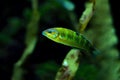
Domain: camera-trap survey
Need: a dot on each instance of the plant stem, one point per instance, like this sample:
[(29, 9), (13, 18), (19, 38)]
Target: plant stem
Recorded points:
[(30, 41)]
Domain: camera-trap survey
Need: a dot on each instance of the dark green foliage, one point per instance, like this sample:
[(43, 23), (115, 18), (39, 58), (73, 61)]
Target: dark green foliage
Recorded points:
[(21, 27), (86, 72), (46, 70)]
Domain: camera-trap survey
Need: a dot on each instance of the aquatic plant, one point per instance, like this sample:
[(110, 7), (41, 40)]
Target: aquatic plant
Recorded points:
[(86, 27), (99, 26)]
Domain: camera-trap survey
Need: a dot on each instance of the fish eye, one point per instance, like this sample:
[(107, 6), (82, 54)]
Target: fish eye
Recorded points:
[(51, 31)]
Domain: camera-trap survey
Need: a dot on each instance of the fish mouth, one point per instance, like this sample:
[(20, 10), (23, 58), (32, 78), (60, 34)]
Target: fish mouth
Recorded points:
[(44, 33)]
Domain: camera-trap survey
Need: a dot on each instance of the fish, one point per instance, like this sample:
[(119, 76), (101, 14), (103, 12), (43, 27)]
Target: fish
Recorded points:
[(71, 38)]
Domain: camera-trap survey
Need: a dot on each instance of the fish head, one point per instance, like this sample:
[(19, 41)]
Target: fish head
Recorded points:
[(51, 33)]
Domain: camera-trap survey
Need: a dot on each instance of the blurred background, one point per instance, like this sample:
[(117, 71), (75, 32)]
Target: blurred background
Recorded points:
[(47, 56)]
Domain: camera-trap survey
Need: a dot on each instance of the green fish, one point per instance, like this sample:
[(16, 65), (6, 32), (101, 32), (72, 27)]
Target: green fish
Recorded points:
[(71, 38)]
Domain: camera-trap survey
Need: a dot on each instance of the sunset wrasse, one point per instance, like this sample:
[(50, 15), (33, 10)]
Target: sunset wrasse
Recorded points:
[(71, 38)]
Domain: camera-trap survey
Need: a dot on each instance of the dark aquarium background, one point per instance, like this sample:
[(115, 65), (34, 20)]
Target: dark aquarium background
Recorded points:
[(21, 25)]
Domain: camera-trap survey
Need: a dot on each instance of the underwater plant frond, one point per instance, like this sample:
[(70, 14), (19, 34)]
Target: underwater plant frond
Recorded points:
[(69, 65), (86, 15), (30, 41), (105, 39)]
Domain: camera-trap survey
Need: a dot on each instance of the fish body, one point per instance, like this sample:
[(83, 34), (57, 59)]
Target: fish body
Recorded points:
[(70, 38)]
